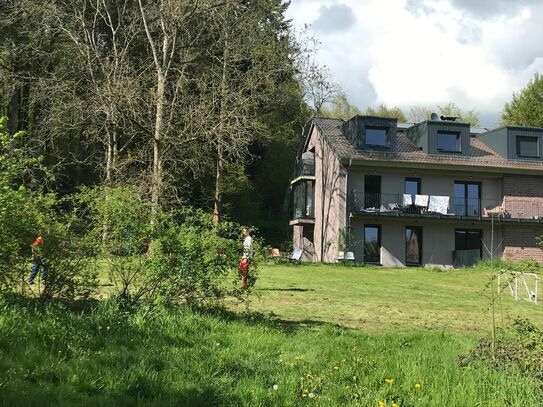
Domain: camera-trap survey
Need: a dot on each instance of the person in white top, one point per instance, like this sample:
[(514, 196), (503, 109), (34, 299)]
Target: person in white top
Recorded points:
[(247, 253)]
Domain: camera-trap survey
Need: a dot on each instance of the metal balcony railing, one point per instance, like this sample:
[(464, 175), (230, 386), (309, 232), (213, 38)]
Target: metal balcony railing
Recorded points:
[(304, 168), (432, 205)]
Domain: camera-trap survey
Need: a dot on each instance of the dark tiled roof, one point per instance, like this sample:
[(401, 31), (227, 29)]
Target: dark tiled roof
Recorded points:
[(406, 151)]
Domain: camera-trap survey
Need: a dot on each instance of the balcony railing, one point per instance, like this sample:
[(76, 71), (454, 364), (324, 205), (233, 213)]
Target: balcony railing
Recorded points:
[(304, 168), (447, 206)]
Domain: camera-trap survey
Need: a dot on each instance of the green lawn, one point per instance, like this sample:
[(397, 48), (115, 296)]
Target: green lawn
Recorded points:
[(386, 300), (414, 328)]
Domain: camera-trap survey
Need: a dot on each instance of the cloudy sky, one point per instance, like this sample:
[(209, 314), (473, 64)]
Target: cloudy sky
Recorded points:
[(475, 53)]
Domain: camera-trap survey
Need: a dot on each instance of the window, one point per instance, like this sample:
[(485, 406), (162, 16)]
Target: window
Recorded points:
[(528, 146), (413, 246), (308, 232), (372, 191), (376, 136), (467, 198), (303, 200), (448, 141), (412, 187), (372, 244), (468, 247)]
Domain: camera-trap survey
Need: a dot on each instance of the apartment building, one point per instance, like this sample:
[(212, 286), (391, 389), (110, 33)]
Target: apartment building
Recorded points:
[(433, 193)]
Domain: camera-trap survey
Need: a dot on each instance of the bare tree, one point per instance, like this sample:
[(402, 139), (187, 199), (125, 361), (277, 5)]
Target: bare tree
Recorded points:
[(316, 81), (246, 64)]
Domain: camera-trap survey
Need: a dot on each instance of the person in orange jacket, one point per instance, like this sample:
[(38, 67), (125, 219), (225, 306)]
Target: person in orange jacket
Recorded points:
[(37, 261), (247, 253)]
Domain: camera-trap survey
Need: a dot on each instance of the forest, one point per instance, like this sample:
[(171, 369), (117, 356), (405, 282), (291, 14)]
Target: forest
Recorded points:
[(193, 103)]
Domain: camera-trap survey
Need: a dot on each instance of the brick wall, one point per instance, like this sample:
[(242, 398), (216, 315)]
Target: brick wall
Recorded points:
[(523, 196), (520, 242), (523, 185)]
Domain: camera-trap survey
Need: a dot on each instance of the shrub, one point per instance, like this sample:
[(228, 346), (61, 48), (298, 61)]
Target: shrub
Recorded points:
[(521, 351), (25, 213), (170, 257)]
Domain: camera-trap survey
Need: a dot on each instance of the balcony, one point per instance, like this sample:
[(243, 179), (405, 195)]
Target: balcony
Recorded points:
[(304, 168), (509, 209)]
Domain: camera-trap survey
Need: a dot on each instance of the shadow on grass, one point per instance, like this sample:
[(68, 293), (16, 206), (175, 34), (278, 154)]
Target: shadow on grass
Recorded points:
[(286, 289), (269, 320)]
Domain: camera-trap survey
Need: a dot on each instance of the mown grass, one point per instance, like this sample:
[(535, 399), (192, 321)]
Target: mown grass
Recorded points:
[(99, 355), (387, 300)]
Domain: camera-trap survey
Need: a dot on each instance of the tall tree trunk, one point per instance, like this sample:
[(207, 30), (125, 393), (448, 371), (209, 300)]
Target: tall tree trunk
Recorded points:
[(217, 213), (109, 158), (13, 110), (156, 176), (111, 155)]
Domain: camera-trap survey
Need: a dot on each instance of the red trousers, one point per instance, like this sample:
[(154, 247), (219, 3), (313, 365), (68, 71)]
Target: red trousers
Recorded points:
[(244, 269)]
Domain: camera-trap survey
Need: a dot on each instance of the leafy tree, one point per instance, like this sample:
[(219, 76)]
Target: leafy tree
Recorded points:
[(384, 111), (451, 109), (526, 107), (341, 107), (25, 213), (419, 113)]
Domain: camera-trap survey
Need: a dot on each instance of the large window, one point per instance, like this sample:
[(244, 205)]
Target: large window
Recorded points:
[(413, 246), (372, 191), (412, 187), (372, 244), (448, 141), (528, 146), (376, 137), (303, 200), (467, 198), (468, 247)]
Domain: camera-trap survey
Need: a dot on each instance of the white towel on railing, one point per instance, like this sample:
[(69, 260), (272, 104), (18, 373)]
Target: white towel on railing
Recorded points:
[(407, 200), (421, 200), (438, 204)]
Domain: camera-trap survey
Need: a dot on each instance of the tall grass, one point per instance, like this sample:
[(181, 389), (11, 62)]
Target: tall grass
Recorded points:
[(105, 355)]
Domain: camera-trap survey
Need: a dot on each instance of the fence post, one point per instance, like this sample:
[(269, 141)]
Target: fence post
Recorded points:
[(536, 284)]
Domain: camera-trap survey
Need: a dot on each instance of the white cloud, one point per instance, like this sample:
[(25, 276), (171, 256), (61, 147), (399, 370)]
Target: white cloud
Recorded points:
[(429, 52)]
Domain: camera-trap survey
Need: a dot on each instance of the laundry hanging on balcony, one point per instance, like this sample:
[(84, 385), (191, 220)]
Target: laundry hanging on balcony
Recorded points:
[(407, 200), (438, 204), (421, 200)]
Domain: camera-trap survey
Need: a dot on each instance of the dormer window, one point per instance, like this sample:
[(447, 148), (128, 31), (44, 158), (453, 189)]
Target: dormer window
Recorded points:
[(376, 137), (527, 147), (372, 133), (449, 142)]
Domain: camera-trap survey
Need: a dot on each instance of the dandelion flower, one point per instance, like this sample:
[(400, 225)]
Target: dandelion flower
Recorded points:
[(394, 405), (417, 386), (275, 387), (389, 381), (381, 404), (353, 349)]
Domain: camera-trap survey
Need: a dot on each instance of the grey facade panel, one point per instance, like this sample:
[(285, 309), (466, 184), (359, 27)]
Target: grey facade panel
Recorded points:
[(461, 128), (355, 131), (419, 135), (514, 132), (424, 135), (497, 140), (503, 141)]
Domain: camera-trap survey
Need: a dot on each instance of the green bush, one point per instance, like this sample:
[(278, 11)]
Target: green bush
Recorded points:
[(520, 351), (169, 257), (26, 213)]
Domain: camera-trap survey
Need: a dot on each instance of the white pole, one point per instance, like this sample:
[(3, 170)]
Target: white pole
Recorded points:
[(536, 284)]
